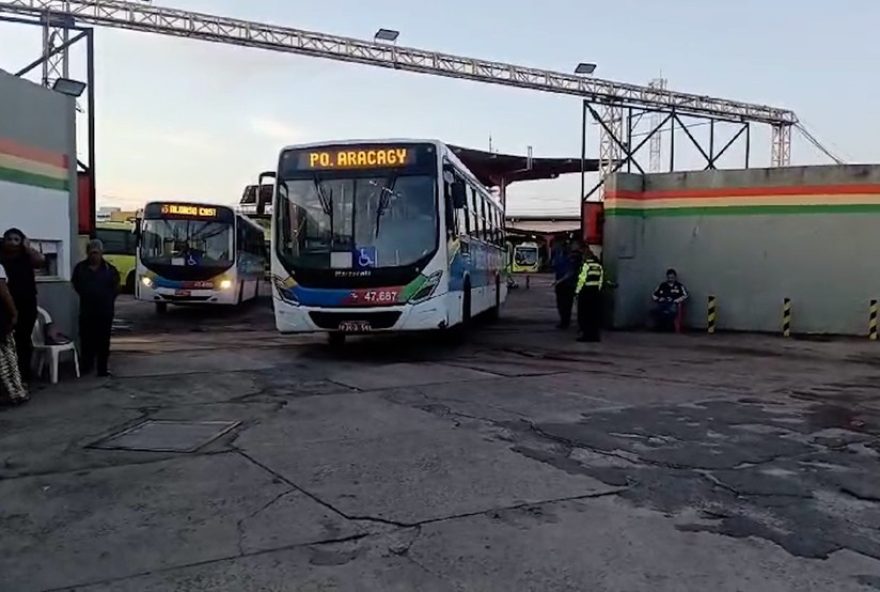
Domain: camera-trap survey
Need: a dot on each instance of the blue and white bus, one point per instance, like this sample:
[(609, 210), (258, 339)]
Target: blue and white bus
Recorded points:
[(376, 236), (192, 253)]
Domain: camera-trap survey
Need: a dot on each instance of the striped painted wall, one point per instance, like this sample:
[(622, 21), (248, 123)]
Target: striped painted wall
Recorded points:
[(740, 201), (26, 165)]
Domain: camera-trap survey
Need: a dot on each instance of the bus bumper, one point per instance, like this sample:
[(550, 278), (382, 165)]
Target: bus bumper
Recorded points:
[(424, 316), (172, 296)]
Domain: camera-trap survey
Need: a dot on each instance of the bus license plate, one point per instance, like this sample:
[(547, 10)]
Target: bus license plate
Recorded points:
[(354, 326), (184, 293)]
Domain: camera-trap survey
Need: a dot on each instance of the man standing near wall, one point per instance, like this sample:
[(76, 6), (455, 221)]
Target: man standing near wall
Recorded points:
[(97, 283), (589, 298)]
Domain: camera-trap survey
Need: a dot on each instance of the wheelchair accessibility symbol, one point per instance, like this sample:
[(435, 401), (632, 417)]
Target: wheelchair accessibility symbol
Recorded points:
[(366, 257)]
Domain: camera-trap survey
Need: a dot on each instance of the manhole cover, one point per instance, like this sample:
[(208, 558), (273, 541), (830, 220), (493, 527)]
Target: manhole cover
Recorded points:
[(156, 435)]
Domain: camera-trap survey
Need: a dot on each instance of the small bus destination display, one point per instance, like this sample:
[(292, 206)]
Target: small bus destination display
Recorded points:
[(357, 157), (187, 210)]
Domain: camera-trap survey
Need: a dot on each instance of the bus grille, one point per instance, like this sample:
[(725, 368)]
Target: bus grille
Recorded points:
[(377, 320)]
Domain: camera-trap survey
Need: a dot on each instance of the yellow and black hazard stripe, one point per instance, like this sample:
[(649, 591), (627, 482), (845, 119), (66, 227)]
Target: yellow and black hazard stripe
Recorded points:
[(786, 317), (712, 315), (872, 321)]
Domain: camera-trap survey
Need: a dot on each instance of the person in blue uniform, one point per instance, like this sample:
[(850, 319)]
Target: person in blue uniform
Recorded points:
[(668, 298), (566, 262)]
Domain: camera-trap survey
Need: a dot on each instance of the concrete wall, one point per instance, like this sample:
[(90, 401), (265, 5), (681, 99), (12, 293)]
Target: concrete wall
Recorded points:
[(751, 238), (38, 182)]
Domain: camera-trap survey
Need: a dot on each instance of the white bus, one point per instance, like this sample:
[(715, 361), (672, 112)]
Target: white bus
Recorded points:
[(197, 254), (388, 235)]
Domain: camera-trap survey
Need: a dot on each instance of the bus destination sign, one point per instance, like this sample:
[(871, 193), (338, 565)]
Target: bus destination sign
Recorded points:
[(348, 157), (189, 210)]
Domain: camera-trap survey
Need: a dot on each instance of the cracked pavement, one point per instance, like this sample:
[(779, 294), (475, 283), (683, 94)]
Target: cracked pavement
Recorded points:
[(519, 460)]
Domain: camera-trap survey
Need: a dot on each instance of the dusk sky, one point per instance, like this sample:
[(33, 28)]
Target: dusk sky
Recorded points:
[(187, 119)]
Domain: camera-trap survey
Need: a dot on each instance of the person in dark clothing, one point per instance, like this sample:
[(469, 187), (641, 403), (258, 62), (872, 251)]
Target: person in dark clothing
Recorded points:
[(589, 286), (566, 264), (668, 298), (96, 282), (20, 260)]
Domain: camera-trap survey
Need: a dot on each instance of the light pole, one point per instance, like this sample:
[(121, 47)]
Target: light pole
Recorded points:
[(583, 69)]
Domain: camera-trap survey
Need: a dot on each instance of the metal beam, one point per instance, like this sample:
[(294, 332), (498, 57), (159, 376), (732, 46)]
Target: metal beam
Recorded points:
[(206, 27)]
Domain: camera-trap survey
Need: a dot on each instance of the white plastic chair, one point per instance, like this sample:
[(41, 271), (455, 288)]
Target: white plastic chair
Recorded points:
[(43, 350)]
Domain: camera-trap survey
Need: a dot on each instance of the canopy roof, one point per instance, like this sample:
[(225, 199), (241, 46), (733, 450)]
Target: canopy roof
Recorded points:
[(492, 169)]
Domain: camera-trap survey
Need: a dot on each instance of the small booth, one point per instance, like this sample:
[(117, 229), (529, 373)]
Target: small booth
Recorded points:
[(38, 186)]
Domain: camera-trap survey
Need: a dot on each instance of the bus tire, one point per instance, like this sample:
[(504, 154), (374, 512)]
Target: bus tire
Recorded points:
[(495, 311), (466, 307), (129, 283), (240, 294), (161, 307), (336, 339)]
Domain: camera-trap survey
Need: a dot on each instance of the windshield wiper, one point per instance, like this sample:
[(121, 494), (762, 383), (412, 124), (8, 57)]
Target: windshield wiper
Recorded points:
[(386, 192), (326, 202)]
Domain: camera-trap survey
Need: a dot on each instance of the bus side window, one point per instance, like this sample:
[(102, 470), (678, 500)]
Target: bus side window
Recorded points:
[(451, 229), (487, 227), (475, 229)]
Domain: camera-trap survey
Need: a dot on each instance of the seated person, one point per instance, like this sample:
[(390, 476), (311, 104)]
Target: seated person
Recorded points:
[(668, 298)]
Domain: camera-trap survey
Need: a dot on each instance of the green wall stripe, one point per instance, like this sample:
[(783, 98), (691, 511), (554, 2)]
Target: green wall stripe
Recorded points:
[(745, 210), (23, 178)]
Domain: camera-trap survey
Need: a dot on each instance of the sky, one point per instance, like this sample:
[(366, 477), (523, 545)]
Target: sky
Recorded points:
[(185, 119)]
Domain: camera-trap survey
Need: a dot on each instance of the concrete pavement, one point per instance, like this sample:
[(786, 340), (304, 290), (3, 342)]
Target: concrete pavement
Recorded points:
[(224, 457)]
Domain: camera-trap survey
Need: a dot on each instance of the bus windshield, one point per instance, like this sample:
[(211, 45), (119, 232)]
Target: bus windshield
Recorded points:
[(187, 243), (391, 217), (526, 255)]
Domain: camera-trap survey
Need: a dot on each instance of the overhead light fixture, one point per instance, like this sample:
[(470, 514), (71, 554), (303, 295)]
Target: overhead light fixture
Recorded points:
[(69, 87), (585, 68), (389, 35)]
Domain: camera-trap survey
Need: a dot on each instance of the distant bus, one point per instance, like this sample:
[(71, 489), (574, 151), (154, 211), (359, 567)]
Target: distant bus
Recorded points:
[(198, 253), (526, 258), (378, 236), (120, 249), (247, 205)]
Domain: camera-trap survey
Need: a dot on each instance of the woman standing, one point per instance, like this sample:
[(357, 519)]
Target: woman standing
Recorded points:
[(20, 260), (12, 390)]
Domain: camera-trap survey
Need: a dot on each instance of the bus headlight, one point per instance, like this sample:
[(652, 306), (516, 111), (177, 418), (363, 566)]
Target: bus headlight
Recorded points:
[(147, 282), (225, 284), (427, 288)]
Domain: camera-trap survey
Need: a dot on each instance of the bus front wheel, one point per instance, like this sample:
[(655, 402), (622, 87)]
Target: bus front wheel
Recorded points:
[(161, 307)]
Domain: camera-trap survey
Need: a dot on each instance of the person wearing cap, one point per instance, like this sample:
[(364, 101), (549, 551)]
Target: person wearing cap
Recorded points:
[(589, 286), (668, 299), (97, 283)]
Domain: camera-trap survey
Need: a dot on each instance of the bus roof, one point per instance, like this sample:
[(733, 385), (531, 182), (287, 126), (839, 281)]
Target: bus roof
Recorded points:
[(189, 203), (445, 149), (363, 141)]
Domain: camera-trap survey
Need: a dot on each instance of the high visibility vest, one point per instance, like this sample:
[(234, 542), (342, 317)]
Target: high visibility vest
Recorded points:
[(592, 276)]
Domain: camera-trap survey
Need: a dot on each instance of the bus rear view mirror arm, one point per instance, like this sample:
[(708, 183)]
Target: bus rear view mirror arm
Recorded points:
[(261, 200)]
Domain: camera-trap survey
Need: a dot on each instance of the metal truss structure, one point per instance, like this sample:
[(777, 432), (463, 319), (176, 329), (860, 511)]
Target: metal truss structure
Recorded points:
[(620, 102), (655, 144), (620, 145), (180, 23)]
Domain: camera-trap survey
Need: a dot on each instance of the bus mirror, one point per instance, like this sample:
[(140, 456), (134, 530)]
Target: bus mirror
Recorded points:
[(262, 199)]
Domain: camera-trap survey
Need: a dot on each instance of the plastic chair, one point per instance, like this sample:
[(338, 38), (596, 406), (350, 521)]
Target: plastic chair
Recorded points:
[(678, 323), (51, 351)]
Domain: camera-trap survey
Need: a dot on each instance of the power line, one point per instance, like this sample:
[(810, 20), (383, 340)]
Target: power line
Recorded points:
[(815, 142)]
